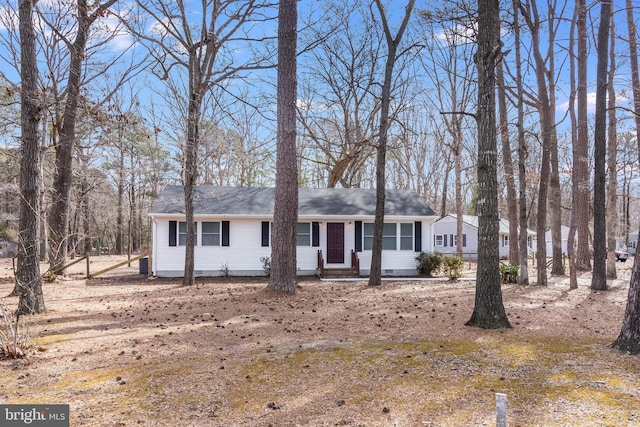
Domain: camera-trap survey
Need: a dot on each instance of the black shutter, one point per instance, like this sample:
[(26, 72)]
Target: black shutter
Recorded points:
[(173, 233), (464, 240), (315, 233), (445, 240), (265, 233), (418, 236), (358, 242), (451, 240), (225, 233)]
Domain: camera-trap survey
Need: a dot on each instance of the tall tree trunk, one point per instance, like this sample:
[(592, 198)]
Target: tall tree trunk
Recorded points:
[(629, 338), (61, 197), (512, 205), (635, 72), (571, 238), (488, 311), (581, 152), (86, 218), (44, 229), (28, 279), (283, 250), (191, 164), (612, 166), (445, 189), (120, 208), (133, 203), (599, 276), (458, 171), (530, 14), (121, 182), (522, 157), (555, 195), (375, 274)]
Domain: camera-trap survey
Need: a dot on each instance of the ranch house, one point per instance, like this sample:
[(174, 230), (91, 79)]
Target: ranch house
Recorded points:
[(334, 231)]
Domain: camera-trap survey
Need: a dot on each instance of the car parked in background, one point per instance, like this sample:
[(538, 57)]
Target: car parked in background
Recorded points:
[(621, 255)]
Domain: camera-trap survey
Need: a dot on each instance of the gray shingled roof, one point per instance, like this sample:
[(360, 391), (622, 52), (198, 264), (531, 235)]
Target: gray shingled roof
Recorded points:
[(259, 201), (472, 220)]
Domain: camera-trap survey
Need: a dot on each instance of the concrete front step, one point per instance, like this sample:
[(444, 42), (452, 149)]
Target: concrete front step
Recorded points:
[(339, 273)]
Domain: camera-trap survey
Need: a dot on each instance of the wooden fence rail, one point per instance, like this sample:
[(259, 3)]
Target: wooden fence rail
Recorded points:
[(113, 267)]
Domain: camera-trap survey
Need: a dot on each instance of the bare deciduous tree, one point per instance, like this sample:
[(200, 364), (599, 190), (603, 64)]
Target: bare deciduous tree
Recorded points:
[(599, 276), (393, 43), (340, 85), (581, 149), (512, 205), (612, 164), (199, 52), (529, 11), (59, 214), (449, 64)]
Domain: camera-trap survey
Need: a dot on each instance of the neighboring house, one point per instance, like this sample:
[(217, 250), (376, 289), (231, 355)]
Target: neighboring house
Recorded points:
[(632, 243), (565, 236), (233, 230), (445, 235)]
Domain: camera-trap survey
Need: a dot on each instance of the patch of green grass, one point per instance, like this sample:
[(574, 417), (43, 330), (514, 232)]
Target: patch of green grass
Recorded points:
[(450, 379)]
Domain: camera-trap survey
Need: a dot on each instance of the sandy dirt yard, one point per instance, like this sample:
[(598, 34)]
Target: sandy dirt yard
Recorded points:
[(124, 350)]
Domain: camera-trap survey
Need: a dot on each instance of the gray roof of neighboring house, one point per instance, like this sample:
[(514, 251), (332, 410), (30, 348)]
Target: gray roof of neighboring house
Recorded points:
[(472, 220), (320, 201)]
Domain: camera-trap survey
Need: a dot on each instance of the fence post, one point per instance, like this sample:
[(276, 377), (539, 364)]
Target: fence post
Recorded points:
[(501, 410), (88, 272)]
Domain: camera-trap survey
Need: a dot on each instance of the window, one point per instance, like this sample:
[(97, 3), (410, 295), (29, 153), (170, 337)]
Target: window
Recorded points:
[(211, 234), (182, 233), (505, 240), (464, 240), (368, 236), (439, 240), (406, 237), (304, 234), (389, 236)]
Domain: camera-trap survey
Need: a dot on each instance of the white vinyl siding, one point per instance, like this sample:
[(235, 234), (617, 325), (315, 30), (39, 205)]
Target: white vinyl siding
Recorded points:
[(243, 256)]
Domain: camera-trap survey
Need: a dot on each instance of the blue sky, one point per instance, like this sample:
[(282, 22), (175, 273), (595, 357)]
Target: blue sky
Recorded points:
[(122, 41)]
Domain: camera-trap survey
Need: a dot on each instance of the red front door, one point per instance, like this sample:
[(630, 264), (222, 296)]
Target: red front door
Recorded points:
[(335, 243)]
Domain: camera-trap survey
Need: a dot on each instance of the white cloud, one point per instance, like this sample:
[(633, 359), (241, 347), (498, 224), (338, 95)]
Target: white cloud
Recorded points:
[(8, 19), (457, 34), (562, 108)]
